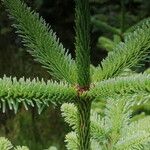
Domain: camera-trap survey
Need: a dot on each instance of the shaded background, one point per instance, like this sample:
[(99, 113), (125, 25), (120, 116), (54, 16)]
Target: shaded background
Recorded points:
[(41, 131)]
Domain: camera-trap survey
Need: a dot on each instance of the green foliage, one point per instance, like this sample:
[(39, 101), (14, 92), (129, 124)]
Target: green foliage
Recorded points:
[(82, 42), (126, 54), (113, 130), (41, 41), (5, 144), (120, 86), (21, 148), (138, 25), (106, 43), (52, 148), (136, 133), (70, 113), (105, 26), (72, 142), (122, 20), (33, 92)]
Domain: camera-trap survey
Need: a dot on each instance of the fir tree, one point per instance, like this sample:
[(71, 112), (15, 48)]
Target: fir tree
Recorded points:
[(80, 84)]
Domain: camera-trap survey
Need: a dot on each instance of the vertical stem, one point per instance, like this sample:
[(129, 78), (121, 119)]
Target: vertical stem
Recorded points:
[(82, 45), (84, 108)]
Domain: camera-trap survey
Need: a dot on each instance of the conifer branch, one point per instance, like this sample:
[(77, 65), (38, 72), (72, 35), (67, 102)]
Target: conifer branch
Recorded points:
[(83, 42), (82, 46), (117, 114), (103, 25), (127, 54), (33, 92), (135, 135), (114, 130), (123, 86), (41, 41), (138, 25), (5, 144), (21, 148), (70, 114), (72, 141), (106, 43)]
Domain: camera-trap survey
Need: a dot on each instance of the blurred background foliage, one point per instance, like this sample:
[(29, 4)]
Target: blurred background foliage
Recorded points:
[(41, 131)]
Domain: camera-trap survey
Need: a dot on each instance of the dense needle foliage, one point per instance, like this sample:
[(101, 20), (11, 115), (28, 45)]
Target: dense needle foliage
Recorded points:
[(78, 84)]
